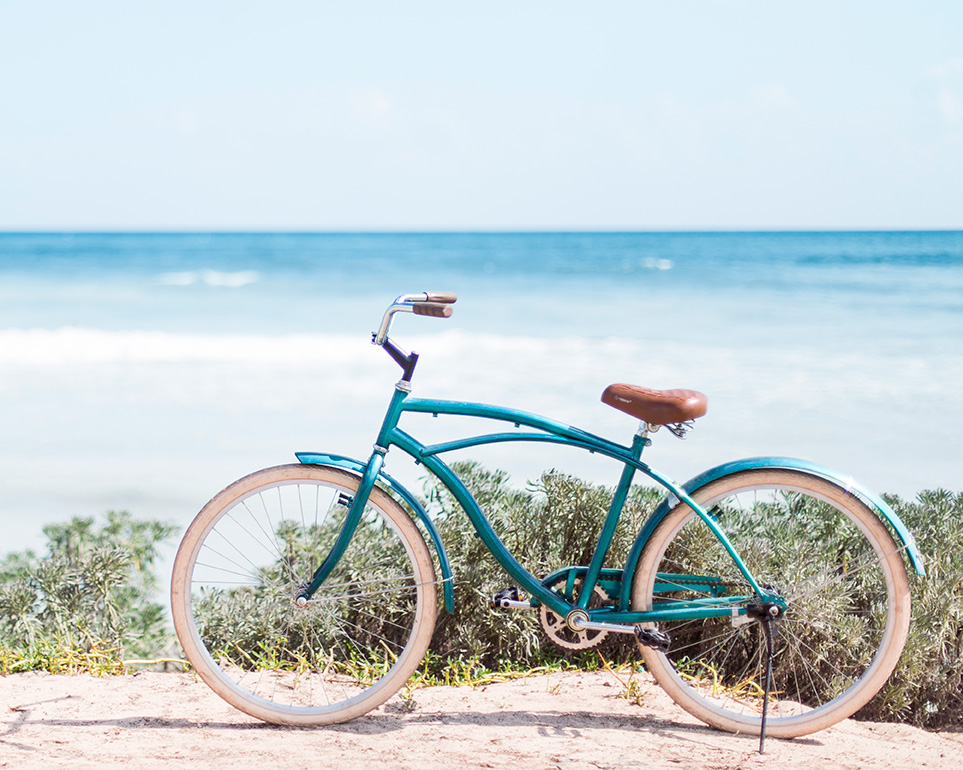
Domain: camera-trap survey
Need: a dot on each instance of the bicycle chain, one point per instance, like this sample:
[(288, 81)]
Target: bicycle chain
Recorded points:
[(561, 636), (697, 582)]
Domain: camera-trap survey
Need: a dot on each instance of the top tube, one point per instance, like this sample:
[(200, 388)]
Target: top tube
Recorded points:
[(553, 432), (518, 418)]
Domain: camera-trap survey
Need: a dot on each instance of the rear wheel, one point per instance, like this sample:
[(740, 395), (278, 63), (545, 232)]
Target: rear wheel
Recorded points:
[(839, 572), (236, 581)]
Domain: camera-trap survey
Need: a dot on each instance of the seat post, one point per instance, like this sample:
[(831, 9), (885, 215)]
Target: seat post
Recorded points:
[(641, 439)]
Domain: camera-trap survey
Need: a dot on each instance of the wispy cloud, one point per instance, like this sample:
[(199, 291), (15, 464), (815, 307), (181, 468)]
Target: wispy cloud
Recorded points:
[(772, 95), (373, 104), (949, 93), (946, 69), (951, 107)]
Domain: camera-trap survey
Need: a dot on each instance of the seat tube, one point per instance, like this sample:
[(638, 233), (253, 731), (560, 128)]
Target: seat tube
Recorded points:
[(611, 522)]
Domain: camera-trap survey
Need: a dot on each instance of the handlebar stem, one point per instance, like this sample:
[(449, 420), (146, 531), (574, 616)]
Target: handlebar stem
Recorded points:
[(407, 361), (423, 303)]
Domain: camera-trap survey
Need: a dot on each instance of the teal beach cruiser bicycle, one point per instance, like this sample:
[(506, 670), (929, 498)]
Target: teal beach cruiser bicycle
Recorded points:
[(766, 594)]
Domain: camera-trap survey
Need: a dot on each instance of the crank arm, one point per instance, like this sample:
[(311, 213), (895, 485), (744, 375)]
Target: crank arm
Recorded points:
[(579, 624), (648, 637)]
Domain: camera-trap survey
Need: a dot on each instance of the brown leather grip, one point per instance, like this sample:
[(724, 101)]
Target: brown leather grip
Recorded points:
[(442, 297), (434, 309)]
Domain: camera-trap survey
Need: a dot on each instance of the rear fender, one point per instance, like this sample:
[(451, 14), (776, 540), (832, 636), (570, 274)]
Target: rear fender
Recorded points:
[(873, 501)]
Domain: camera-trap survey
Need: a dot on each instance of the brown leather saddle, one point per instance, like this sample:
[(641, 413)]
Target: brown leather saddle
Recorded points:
[(656, 407)]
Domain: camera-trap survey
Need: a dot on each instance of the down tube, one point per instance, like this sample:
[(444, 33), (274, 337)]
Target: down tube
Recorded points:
[(522, 576)]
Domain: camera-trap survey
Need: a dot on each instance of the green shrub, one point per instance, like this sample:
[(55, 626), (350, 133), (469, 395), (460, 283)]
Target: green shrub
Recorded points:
[(927, 687), (91, 596), (89, 601), (553, 523)]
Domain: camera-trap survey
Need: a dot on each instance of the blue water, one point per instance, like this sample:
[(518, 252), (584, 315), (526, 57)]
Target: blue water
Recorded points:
[(145, 371), (158, 281)]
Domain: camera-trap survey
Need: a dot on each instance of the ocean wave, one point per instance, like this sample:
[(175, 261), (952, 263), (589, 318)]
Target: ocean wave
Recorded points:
[(216, 278), (446, 356), (462, 364), (71, 346), (651, 263), (802, 396)]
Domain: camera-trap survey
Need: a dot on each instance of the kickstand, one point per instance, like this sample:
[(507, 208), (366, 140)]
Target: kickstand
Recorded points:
[(767, 624)]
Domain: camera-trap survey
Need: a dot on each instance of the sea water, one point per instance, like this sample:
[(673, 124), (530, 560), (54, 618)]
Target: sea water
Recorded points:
[(145, 372)]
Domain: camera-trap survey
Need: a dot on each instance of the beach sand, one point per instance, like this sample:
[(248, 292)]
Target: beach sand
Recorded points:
[(567, 721)]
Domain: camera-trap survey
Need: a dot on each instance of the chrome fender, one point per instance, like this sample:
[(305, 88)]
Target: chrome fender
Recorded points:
[(357, 466), (872, 500)]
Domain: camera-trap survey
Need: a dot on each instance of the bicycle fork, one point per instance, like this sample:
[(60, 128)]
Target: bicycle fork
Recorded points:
[(371, 472), (351, 521)]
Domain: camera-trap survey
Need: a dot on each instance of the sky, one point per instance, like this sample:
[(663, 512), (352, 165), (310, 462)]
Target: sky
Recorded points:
[(559, 115)]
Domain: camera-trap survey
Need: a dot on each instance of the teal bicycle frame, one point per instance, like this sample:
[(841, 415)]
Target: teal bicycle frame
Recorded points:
[(617, 583)]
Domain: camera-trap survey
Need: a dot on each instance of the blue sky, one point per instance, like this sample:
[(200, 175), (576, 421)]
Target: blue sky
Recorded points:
[(495, 115)]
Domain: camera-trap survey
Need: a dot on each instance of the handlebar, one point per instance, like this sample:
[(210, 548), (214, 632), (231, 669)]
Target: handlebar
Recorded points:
[(434, 309), (441, 297), (436, 304)]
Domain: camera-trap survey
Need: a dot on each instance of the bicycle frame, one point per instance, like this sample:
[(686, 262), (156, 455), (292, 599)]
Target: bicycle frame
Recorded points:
[(800, 526), (616, 583), (546, 431)]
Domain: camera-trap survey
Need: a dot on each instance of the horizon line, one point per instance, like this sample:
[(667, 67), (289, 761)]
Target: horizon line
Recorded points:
[(468, 231)]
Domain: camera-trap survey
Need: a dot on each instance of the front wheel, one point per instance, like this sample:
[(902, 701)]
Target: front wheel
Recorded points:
[(804, 539), (236, 582)]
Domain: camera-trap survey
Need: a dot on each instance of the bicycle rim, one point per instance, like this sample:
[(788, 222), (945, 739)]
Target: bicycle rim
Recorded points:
[(809, 541), (237, 576)]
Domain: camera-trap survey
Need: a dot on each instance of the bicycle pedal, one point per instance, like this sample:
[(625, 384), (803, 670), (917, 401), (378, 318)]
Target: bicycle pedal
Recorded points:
[(503, 599), (652, 637)]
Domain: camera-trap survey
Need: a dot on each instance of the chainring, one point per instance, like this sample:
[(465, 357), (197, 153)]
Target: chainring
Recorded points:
[(558, 630)]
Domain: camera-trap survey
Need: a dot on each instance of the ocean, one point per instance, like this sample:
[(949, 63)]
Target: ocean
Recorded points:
[(144, 372)]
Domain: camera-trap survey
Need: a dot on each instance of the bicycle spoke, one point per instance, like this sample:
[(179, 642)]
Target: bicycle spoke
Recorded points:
[(829, 564), (357, 629)]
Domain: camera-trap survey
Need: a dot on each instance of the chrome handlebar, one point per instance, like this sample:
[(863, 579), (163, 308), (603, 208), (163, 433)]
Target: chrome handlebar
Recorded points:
[(431, 303)]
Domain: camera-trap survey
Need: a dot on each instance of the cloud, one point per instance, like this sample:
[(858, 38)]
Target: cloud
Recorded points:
[(947, 69), (951, 107), (949, 101), (772, 96), (185, 124), (373, 104)]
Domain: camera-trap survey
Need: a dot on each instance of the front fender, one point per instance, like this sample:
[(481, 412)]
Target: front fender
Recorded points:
[(788, 463), (357, 466)]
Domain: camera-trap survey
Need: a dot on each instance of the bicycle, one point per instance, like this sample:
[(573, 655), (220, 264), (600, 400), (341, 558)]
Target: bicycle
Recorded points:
[(767, 594)]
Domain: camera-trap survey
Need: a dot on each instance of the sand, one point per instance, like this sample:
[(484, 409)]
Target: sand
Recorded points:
[(567, 721)]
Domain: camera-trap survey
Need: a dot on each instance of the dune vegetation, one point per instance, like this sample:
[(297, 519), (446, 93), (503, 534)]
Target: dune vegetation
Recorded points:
[(92, 602)]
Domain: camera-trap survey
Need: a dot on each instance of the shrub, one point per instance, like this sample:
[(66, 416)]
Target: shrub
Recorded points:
[(927, 687), (91, 594), (553, 523), (90, 597)]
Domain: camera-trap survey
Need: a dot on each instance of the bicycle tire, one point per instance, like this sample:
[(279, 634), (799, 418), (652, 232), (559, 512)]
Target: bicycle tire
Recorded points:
[(235, 581), (836, 564)]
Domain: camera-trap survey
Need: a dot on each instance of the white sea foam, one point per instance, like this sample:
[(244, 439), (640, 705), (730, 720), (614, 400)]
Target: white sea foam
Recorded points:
[(555, 368), (230, 280), (75, 346), (650, 263), (164, 419)]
